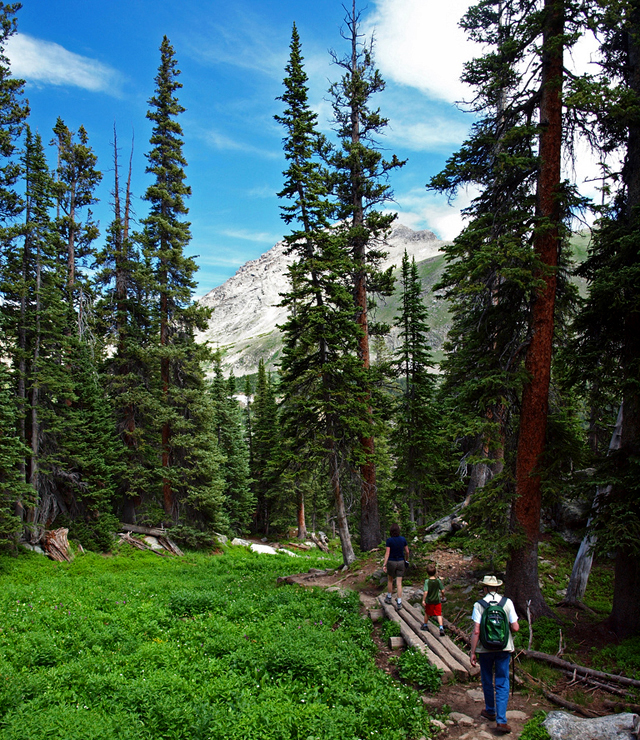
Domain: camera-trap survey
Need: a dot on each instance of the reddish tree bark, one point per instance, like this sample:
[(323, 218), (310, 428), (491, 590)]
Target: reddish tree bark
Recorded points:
[(522, 569)]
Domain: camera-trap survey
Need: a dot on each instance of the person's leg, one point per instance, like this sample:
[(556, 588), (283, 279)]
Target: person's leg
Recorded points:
[(486, 675), (399, 587), (502, 686), (389, 585)]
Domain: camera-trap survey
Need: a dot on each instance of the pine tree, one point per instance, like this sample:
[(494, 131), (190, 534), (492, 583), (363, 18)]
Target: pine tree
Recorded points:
[(239, 499), (265, 449), (320, 335), (608, 351), (505, 280), (76, 180), (15, 494), (190, 474), (415, 434), (360, 181), (124, 319)]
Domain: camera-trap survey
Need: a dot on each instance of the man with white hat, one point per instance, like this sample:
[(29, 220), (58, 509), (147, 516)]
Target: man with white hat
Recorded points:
[(494, 661)]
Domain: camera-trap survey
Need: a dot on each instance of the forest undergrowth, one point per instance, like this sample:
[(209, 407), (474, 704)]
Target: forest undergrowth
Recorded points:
[(142, 646)]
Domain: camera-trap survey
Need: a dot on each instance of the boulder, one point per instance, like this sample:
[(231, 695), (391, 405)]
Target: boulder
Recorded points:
[(240, 542), (263, 549), (564, 726), (222, 538)]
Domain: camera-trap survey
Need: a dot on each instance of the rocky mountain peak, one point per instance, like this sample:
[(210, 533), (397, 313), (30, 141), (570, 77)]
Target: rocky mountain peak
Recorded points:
[(246, 310)]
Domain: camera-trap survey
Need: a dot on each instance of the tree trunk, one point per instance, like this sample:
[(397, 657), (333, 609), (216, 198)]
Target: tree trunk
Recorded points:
[(348, 555), (522, 569), (582, 565), (302, 526)]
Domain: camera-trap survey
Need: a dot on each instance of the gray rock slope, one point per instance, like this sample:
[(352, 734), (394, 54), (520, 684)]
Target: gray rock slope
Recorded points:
[(246, 313)]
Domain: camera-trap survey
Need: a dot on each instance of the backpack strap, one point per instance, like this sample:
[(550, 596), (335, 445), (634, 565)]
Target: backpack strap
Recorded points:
[(483, 603), (502, 602)]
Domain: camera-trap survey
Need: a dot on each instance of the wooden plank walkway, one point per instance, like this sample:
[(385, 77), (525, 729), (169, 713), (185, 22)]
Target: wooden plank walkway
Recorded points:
[(439, 651)]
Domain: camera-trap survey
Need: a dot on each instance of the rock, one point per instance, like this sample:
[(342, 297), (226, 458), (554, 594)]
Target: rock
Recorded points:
[(516, 714), (396, 642), (475, 694), (240, 542), (264, 539), (461, 719), (468, 589), (262, 549), (310, 544), (288, 552), (375, 615), (561, 592), (222, 539), (152, 542), (564, 726), (437, 723), (431, 701)]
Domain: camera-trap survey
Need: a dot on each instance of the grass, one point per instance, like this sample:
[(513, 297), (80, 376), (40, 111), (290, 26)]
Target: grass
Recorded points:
[(200, 647)]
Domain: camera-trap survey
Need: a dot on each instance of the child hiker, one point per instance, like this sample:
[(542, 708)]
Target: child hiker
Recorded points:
[(431, 598)]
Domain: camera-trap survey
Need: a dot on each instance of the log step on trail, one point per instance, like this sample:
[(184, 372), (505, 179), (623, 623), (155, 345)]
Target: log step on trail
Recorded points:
[(439, 651)]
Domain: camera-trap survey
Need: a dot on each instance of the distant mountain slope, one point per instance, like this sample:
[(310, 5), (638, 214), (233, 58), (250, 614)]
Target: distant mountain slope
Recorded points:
[(246, 311)]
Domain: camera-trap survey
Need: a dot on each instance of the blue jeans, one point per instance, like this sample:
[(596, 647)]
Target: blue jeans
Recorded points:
[(497, 663)]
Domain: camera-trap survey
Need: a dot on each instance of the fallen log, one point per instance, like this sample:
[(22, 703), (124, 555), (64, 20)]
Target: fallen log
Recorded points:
[(570, 705), (456, 631), (137, 529), (56, 545), (169, 545), (318, 542), (125, 537), (412, 639), (565, 665), (432, 643), (617, 706), (459, 655)]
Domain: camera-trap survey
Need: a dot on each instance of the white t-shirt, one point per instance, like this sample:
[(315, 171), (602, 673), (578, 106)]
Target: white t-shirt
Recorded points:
[(510, 611)]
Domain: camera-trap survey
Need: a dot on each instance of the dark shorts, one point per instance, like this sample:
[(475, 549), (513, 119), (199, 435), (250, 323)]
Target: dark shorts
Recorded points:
[(395, 568), (433, 610)]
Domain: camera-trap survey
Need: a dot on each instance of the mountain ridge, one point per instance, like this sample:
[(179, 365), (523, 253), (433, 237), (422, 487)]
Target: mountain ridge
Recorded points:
[(246, 310)]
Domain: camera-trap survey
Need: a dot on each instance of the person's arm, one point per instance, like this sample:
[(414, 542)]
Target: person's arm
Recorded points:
[(406, 552), (386, 557), (475, 636), (514, 626)]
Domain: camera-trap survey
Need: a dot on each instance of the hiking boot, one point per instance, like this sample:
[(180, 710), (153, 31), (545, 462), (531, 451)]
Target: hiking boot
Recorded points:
[(503, 729), (424, 627), (388, 599), (441, 631), (488, 715), (398, 605)]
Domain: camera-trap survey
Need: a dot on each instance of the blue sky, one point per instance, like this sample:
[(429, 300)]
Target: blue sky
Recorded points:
[(93, 63)]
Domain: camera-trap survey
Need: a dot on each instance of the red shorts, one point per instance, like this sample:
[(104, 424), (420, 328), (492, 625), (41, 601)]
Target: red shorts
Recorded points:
[(433, 610)]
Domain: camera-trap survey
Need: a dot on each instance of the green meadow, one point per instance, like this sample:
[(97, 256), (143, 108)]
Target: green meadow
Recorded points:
[(203, 647)]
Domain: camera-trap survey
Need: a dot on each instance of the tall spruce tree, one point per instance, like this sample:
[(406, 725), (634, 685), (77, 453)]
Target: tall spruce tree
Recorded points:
[(76, 181), (320, 335), (415, 433), (504, 286), (189, 473), (608, 351), (360, 176), (239, 499)]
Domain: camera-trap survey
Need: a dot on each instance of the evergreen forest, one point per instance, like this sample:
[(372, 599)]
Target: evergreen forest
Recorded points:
[(111, 412)]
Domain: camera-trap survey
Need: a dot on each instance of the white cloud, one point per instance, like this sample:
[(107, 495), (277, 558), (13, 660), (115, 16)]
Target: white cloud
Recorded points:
[(419, 43), (252, 236), (420, 209), (48, 63), (226, 143), (434, 133)]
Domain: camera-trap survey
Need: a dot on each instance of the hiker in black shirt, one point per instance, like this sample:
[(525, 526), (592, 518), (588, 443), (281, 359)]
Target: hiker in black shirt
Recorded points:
[(394, 559)]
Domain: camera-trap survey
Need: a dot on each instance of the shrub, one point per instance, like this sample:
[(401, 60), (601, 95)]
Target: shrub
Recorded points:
[(534, 729), (414, 666)]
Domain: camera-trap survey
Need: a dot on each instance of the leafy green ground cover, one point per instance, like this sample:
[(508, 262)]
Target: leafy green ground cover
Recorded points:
[(137, 646)]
